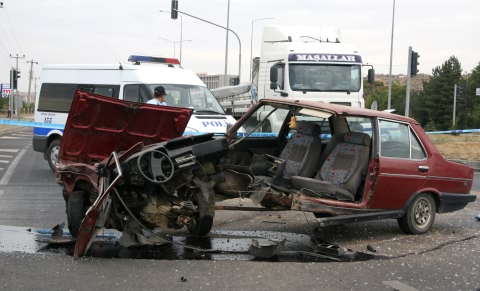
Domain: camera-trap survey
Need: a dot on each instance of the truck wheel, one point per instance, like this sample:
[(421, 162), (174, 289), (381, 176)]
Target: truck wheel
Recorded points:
[(420, 215), (52, 153), (200, 225), (76, 209)]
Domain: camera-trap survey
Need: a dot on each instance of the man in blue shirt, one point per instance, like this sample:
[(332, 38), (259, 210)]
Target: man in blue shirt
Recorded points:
[(159, 96)]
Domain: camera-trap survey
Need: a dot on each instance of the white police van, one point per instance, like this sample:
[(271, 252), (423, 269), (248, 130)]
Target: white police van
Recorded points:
[(132, 82)]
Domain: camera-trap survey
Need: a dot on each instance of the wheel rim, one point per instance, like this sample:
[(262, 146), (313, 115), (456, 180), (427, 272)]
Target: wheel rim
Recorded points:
[(54, 154), (422, 212)]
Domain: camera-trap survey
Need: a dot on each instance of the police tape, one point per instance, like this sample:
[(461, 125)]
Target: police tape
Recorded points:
[(240, 134)]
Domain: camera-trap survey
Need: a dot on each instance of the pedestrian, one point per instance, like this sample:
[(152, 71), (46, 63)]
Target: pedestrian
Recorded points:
[(9, 114), (158, 96)]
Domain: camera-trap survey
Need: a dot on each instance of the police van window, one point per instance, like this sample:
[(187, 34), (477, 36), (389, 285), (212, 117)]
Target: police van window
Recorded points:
[(56, 97), (131, 93), (105, 90)]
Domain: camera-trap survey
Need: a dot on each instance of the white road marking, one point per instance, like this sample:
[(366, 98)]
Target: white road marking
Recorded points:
[(1, 169), (9, 150), (1, 193), (5, 156), (5, 162), (8, 174), (12, 137), (397, 285)]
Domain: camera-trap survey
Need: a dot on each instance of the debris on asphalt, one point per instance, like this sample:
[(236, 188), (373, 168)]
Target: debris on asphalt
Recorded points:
[(278, 222), (183, 279), (371, 248), (478, 217)]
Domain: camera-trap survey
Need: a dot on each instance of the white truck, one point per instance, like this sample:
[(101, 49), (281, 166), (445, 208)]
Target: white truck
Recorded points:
[(302, 63)]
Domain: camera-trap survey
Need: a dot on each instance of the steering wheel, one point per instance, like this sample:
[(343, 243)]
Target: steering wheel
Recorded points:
[(161, 167)]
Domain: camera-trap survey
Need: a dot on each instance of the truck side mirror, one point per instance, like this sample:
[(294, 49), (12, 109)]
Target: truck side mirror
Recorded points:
[(228, 111), (371, 76), (273, 74), (273, 86)]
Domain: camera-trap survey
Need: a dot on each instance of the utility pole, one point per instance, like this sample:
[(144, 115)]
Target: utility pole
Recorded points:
[(30, 77), (15, 90), (35, 88)]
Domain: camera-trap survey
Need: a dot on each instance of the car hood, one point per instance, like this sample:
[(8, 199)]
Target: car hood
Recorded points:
[(98, 125)]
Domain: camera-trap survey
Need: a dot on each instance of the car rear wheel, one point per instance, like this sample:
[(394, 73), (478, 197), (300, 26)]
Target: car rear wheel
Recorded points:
[(420, 215), (76, 209), (52, 153)]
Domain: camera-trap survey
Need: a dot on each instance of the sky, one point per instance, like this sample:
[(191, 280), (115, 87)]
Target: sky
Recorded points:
[(109, 31)]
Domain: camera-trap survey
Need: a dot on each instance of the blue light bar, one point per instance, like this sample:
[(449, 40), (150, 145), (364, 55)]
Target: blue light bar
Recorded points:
[(149, 59)]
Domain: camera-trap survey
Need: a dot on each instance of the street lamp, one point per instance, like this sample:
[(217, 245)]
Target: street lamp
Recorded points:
[(181, 32), (175, 42), (251, 44), (391, 53)]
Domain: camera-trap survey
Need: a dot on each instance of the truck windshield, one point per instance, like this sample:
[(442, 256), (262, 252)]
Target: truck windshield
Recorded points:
[(190, 96), (323, 77)]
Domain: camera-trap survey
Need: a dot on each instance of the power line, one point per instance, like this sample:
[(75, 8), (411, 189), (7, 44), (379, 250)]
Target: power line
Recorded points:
[(11, 29)]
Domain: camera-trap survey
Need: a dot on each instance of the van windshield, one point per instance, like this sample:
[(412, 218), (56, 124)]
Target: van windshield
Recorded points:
[(190, 96)]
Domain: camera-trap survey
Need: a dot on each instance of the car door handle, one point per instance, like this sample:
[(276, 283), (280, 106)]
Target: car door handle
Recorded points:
[(423, 169)]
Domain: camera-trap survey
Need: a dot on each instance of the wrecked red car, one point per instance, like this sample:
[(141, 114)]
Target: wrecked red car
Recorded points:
[(125, 166)]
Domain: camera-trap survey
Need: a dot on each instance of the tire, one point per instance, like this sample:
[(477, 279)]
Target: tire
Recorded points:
[(420, 215), (76, 209), (52, 153), (200, 226)]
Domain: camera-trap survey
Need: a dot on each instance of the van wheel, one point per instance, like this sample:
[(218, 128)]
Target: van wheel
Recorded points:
[(420, 215), (76, 209), (52, 153)]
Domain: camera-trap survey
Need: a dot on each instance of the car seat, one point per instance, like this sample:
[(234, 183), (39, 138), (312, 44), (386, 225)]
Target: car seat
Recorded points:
[(343, 167)]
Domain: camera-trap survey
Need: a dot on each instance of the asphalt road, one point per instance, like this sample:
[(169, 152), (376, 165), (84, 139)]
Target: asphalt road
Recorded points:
[(446, 258)]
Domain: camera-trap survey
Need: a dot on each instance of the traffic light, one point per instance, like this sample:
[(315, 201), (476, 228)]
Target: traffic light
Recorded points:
[(16, 75), (173, 11), (459, 91), (415, 63)]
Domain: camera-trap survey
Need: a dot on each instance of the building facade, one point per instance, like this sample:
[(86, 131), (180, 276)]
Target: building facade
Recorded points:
[(215, 81)]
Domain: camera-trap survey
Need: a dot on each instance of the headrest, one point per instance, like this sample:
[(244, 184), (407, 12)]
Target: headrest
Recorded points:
[(308, 128), (357, 138)]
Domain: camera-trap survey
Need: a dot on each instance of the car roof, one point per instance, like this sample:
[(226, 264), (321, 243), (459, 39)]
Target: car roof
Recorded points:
[(338, 109)]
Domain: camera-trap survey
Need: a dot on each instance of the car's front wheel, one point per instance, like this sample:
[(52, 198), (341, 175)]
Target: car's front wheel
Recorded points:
[(76, 209), (420, 215), (52, 153), (200, 225)]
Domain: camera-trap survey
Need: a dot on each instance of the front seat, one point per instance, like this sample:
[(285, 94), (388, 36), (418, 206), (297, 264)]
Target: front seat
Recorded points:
[(342, 171), (300, 154)]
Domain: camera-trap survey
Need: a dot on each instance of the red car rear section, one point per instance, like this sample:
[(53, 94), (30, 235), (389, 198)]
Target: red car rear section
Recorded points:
[(98, 125)]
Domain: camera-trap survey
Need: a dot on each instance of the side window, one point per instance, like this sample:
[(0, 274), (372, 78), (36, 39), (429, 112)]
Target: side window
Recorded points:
[(399, 141), (270, 128), (131, 93), (105, 90), (56, 97), (418, 153)]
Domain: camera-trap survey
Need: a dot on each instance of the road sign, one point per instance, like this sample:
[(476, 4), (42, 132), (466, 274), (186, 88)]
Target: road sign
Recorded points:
[(5, 93), (5, 90), (477, 92)]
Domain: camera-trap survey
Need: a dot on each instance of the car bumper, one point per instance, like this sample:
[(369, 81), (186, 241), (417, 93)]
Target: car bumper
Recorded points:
[(450, 202)]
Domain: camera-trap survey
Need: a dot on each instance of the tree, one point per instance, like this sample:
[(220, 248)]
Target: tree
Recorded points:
[(380, 94), (436, 103)]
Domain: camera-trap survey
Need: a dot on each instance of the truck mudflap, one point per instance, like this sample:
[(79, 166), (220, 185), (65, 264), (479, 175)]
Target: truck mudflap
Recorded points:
[(450, 202)]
